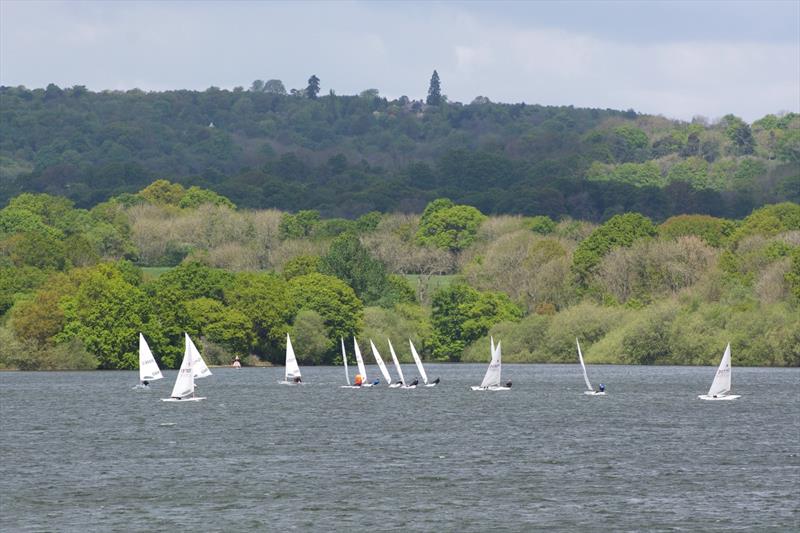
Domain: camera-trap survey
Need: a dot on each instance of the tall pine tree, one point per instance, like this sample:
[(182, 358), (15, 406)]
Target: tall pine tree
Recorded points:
[(313, 87), (434, 91)]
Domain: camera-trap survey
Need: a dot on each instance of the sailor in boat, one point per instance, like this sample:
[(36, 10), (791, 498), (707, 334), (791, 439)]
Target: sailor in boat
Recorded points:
[(297, 379), (145, 383), (602, 388), (508, 383), (399, 382), (376, 382), (236, 362), (415, 382), (359, 380), (435, 381)]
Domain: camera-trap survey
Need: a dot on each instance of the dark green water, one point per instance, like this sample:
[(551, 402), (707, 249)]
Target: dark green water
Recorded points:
[(85, 452)]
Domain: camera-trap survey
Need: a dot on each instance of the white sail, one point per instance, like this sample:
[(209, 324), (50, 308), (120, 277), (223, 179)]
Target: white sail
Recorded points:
[(184, 383), (492, 377), (722, 379), (418, 361), (583, 367), (148, 368), (198, 365), (396, 363), (382, 366), (360, 362), (344, 360), (491, 339), (292, 369)]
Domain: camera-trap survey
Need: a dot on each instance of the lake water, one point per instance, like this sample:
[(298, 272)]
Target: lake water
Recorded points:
[(82, 451)]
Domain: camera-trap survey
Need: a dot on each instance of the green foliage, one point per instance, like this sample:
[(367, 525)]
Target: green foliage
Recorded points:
[(452, 228), (629, 143), (313, 87), (263, 299), (311, 345), (21, 355), (712, 230), (302, 265), (195, 197), (793, 276), (405, 321), (523, 159), (350, 261), (693, 170), (106, 313), (460, 315), (522, 341), (220, 324), (620, 230), (770, 220), (740, 135), (16, 281), (299, 225), (636, 174), (542, 225), (434, 90), (335, 301), (162, 192)]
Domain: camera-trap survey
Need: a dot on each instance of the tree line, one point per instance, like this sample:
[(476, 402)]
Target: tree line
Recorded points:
[(77, 285), (347, 155)]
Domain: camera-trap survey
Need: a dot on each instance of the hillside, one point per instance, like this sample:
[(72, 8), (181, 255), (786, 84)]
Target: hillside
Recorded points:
[(347, 155), (77, 285)]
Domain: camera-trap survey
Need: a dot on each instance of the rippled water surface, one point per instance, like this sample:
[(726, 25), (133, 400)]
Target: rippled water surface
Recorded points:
[(85, 452)]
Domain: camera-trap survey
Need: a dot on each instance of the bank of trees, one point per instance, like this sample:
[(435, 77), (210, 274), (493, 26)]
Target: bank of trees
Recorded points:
[(77, 285), (347, 155)]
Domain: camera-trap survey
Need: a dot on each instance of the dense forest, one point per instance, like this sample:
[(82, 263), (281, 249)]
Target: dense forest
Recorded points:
[(344, 156), (77, 284)]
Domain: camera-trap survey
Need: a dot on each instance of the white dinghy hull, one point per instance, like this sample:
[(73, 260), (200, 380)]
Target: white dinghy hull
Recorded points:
[(194, 399), (720, 398), (594, 393), (492, 388)]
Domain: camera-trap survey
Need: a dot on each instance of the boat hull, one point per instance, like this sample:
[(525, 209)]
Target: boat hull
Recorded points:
[(594, 393), (719, 398), (495, 388), (195, 399)]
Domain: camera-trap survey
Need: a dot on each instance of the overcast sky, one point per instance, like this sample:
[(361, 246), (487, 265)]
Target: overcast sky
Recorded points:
[(678, 59)]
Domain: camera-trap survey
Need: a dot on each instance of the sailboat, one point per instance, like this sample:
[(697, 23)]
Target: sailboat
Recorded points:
[(183, 391), (402, 381), (491, 381), (381, 365), (148, 368), (421, 369), (346, 372), (721, 385), (199, 367), (589, 389), (292, 375), (361, 377)]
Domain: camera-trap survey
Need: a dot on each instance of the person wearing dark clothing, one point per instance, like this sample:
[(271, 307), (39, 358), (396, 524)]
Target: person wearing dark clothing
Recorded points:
[(435, 381), (415, 382), (508, 384), (298, 380)]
